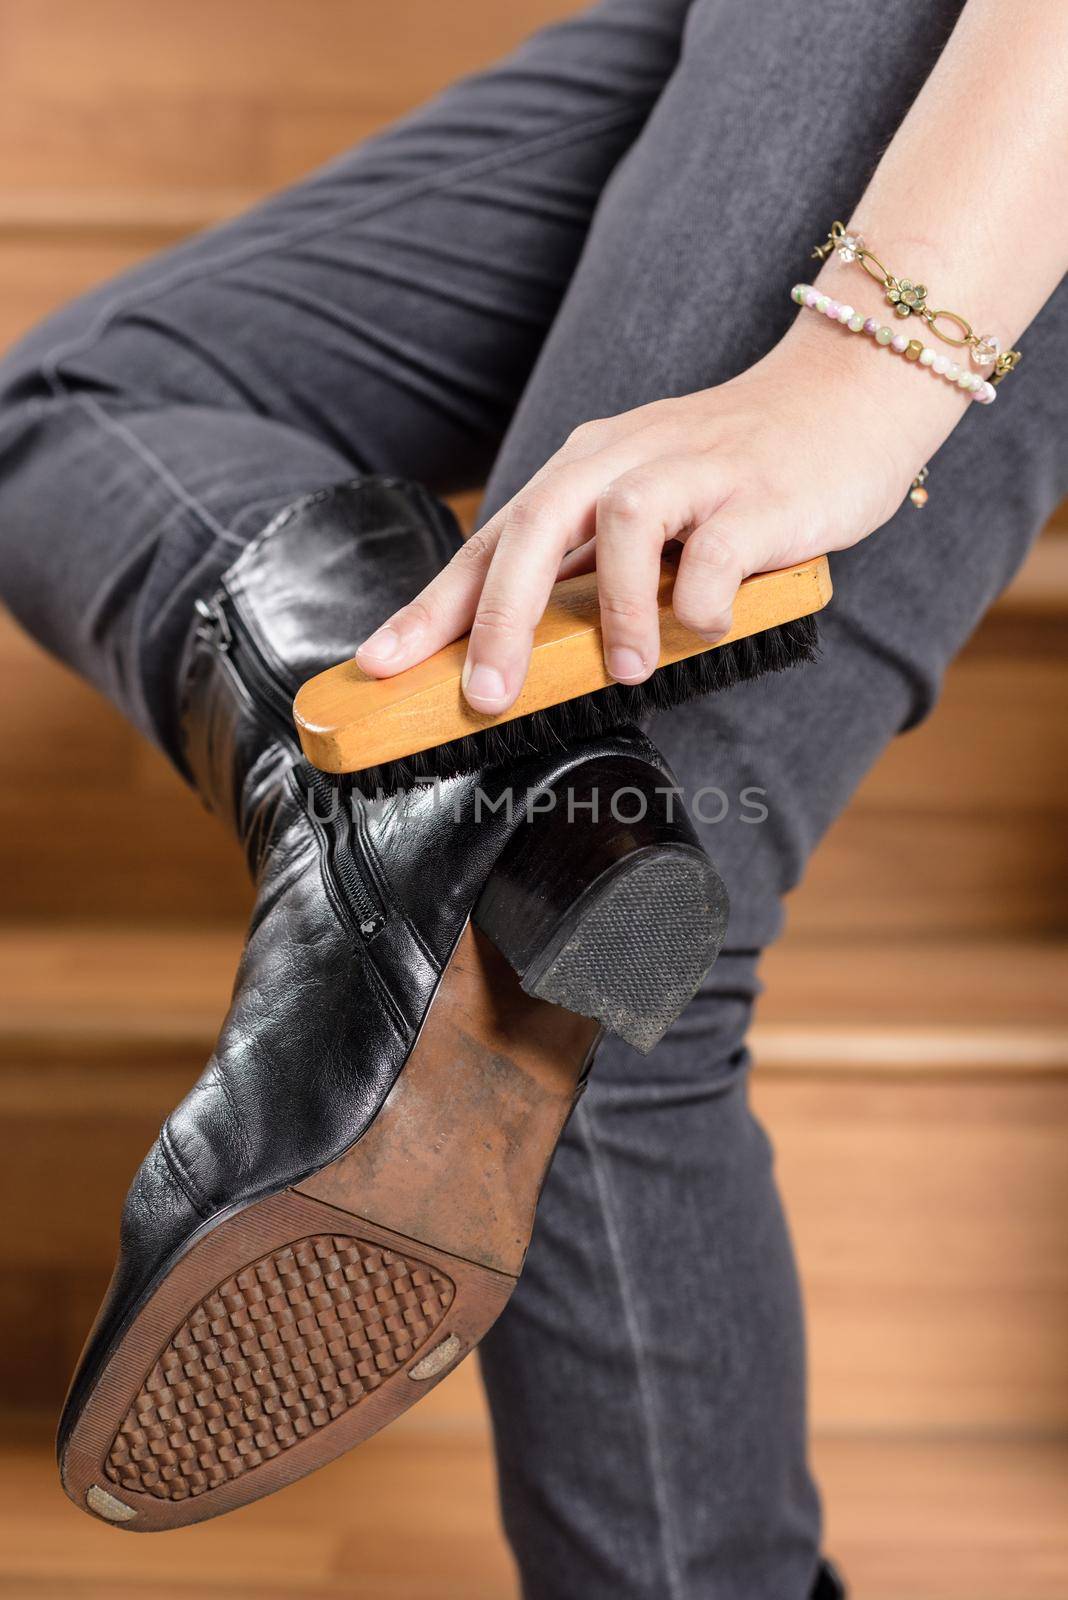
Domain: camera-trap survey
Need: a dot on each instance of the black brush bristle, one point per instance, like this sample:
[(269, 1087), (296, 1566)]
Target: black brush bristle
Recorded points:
[(788, 645)]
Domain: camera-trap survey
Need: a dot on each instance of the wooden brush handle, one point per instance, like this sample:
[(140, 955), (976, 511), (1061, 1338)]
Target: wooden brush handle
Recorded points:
[(348, 721)]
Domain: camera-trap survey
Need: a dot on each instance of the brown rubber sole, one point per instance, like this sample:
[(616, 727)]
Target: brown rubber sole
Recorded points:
[(298, 1326)]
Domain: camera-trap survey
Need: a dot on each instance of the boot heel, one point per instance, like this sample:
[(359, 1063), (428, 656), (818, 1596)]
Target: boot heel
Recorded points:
[(611, 918)]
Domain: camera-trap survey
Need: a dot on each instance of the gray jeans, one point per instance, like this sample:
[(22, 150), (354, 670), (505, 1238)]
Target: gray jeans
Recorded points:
[(614, 214)]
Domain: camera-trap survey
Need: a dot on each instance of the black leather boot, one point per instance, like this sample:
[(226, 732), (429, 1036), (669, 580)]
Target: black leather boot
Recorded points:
[(340, 1207)]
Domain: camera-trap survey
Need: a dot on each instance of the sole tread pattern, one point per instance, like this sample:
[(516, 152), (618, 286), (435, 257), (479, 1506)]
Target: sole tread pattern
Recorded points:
[(277, 1351)]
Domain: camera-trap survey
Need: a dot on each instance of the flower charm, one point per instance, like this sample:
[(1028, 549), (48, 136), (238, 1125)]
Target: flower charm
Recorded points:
[(906, 296), (850, 244)]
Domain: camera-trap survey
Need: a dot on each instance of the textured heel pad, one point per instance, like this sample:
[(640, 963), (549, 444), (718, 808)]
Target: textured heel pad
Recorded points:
[(640, 952)]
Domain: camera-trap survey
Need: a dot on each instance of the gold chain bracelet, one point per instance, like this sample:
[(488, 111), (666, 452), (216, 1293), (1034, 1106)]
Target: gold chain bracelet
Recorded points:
[(910, 299)]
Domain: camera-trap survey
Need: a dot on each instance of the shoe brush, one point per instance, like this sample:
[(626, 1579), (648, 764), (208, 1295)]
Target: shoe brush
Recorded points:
[(394, 732)]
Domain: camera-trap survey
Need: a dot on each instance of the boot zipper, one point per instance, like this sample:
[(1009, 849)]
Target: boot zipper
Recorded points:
[(362, 908), (223, 627), (225, 630)]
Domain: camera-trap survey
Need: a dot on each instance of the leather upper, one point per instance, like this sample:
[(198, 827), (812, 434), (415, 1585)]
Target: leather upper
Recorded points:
[(359, 904)]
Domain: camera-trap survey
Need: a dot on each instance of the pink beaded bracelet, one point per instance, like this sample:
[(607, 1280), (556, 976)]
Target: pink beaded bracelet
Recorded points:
[(972, 383)]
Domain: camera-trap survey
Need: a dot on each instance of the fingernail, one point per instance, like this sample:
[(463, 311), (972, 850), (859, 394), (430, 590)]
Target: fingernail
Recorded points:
[(381, 646), (624, 663), (484, 686)]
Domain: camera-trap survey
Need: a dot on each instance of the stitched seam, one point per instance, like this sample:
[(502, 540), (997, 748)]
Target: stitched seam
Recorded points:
[(249, 251), (148, 458), (583, 1120)]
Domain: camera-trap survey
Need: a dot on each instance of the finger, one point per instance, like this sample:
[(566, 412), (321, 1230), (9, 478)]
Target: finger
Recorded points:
[(556, 513), (636, 515), (446, 608), (543, 523), (576, 562), (715, 559), (440, 613)]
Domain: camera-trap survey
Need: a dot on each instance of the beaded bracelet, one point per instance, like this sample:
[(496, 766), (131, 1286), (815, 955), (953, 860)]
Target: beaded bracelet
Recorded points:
[(980, 388), (910, 299)]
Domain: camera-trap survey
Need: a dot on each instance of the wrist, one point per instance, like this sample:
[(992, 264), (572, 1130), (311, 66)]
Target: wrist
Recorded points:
[(864, 386)]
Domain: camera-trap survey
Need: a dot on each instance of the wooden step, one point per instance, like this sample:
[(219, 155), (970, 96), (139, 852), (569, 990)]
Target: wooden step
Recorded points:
[(109, 828), (237, 97), (920, 875), (928, 1214), (917, 1095), (908, 1519), (935, 1519)]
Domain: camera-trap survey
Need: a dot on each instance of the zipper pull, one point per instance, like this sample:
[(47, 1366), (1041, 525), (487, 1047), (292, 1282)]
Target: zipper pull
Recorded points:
[(215, 628)]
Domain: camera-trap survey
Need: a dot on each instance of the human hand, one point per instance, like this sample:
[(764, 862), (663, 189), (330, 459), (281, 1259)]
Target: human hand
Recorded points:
[(807, 452)]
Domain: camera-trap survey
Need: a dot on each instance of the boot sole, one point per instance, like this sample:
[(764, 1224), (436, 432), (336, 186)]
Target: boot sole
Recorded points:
[(295, 1328)]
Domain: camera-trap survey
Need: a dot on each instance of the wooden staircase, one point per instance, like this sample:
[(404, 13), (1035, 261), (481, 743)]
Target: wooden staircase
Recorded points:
[(912, 1046)]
